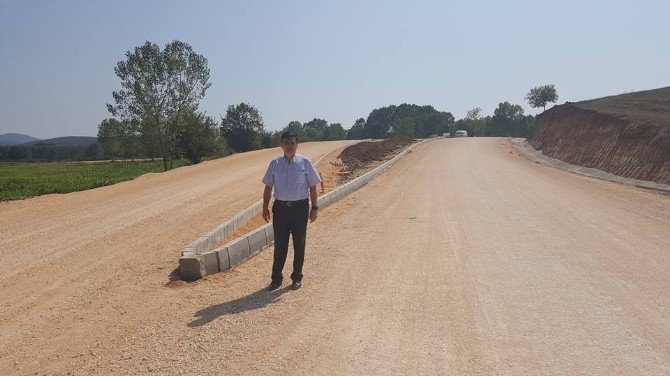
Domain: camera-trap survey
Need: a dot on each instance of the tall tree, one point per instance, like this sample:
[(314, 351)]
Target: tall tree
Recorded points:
[(474, 114), (130, 144), (425, 121), (270, 139), (295, 127), (405, 126), (156, 87), (315, 129), (335, 131), (483, 127), (110, 132), (242, 127), (506, 120), (199, 137), (541, 95), (356, 130), (473, 123), (93, 151)]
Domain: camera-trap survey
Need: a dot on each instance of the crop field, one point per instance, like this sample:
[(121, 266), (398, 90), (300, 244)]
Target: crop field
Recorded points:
[(21, 180)]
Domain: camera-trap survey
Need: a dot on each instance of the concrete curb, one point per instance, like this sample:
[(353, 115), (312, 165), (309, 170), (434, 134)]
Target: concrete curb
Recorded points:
[(226, 229), (195, 262), (528, 151)]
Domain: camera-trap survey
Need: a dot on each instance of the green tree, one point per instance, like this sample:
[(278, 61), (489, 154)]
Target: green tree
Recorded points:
[(506, 120), (297, 128), (482, 127), (110, 132), (156, 87), (242, 127), (130, 143), (119, 139), (335, 131), (315, 129), (149, 146), (526, 126), (405, 126), (93, 151), (199, 137), (270, 139), (541, 95), (20, 153), (473, 123), (425, 121), (474, 114), (356, 130)]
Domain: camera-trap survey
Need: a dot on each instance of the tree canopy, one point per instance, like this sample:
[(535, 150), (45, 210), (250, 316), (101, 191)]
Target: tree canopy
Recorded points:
[(242, 127), (315, 129), (541, 95), (157, 86), (296, 128), (199, 137), (356, 130), (422, 121), (509, 121), (335, 131)]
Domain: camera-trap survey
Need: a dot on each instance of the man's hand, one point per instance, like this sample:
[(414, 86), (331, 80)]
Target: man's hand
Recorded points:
[(313, 214), (267, 192)]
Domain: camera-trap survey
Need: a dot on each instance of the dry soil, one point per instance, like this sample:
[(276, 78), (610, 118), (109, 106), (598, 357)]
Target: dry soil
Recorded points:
[(464, 258)]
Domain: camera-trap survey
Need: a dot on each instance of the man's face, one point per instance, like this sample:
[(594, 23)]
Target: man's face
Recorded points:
[(289, 145)]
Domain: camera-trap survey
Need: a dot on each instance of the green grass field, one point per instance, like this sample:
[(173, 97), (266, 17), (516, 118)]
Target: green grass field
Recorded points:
[(21, 180)]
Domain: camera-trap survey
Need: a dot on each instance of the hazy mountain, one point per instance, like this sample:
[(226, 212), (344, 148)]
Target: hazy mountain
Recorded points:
[(65, 141), (9, 139)]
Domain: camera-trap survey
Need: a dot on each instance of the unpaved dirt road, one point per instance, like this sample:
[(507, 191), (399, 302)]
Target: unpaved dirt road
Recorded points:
[(464, 258), (79, 269)]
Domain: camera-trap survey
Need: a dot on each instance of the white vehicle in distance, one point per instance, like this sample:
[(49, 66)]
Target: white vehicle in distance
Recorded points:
[(461, 133)]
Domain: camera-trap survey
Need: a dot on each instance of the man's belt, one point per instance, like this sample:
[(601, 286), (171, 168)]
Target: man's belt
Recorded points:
[(290, 203)]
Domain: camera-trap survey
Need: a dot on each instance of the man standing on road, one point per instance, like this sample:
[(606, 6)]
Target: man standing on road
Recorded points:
[(292, 176)]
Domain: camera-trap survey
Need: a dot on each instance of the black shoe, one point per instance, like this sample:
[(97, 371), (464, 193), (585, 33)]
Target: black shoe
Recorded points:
[(296, 285), (274, 285)]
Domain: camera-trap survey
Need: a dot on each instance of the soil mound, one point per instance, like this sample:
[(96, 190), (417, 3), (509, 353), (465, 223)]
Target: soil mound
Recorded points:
[(651, 106), (358, 155), (627, 135)]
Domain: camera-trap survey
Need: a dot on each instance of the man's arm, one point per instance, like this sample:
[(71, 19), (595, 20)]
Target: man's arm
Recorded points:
[(312, 198), (266, 202)]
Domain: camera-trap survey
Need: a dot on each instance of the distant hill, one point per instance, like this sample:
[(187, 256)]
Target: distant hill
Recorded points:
[(84, 141), (9, 139)]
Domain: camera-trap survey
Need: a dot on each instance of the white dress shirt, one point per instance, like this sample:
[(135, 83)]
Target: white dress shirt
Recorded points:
[(291, 180)]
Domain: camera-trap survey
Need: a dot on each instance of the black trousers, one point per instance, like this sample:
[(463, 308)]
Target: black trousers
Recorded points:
[(289, 220)]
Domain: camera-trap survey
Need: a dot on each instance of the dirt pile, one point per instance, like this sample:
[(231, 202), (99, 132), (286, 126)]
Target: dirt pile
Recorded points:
[(359, 155), (627, 135)]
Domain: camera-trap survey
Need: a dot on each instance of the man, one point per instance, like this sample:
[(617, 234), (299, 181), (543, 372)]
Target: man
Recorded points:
[(292, 176)]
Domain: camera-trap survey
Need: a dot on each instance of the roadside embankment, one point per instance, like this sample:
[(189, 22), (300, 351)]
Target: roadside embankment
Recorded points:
[(605, 135)]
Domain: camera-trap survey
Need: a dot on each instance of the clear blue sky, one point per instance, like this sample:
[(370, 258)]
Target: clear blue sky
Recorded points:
[(337, 60)]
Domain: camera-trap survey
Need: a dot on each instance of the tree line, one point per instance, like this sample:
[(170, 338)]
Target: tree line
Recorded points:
[(156, 112), (49, 153), (155, 115)]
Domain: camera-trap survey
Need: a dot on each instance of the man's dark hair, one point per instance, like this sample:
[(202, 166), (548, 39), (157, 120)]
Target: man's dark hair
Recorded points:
[(286, 135)]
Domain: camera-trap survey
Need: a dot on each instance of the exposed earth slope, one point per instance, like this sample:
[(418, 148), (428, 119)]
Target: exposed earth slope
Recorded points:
[(627, 135)]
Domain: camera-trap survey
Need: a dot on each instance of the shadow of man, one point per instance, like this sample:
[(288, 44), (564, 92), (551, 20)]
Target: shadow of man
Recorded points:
[(259, 299)]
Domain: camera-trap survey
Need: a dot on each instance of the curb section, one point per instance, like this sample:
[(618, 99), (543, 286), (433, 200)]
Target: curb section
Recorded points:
[(198, 259)]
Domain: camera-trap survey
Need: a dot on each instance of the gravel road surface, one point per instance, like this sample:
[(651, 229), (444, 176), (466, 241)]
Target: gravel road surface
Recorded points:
[(464, 258)]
